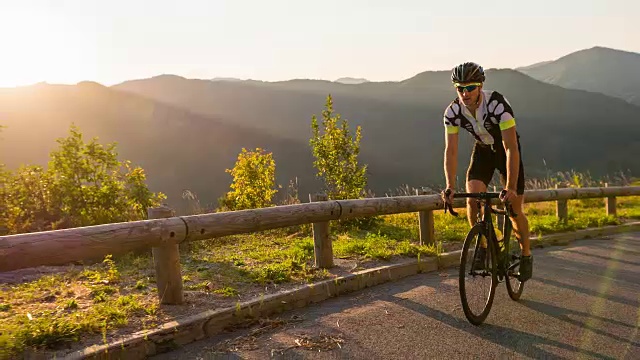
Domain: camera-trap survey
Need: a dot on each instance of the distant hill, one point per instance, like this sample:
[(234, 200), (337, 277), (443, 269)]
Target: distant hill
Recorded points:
[(178, 149), (599, 69), (351, 81), (402, 121), (186, 132), (536, 65), (225, 79)]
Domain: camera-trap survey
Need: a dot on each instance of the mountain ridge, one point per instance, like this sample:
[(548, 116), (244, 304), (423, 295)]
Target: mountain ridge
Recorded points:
[(411, 101), (185, 132), (605, 70)]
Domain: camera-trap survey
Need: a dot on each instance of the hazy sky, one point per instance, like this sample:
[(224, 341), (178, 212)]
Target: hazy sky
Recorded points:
[(109, 41)]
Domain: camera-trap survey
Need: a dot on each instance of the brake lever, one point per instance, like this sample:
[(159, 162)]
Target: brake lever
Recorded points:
[(508, 206), (448, 206)]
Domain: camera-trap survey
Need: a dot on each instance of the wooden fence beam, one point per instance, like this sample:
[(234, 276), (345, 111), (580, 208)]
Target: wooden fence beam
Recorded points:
[(207, 226), (391, 205), (93, 242), (61, 247)]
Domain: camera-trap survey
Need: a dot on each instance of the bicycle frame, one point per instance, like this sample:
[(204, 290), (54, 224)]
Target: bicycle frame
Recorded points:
[(483, 201), (502, 262)]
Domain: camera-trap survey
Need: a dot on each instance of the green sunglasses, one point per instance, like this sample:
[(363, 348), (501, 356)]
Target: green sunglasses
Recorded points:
[(469, 87)]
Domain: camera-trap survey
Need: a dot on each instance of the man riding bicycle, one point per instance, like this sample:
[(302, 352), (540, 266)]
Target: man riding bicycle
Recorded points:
[(488, 116)]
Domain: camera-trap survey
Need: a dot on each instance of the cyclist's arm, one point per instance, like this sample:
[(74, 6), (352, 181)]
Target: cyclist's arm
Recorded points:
[(510, 143), (451, 158)]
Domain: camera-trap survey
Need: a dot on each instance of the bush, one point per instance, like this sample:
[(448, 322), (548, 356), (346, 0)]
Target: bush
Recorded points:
[(84, 185), (253, 183), (336, 154)]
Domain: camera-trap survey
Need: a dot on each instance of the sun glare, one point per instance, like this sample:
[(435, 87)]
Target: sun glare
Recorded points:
[(36, 47)]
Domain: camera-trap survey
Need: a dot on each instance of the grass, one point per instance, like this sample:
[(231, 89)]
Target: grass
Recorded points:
[(58, 309), (54, 311), (260, 258)]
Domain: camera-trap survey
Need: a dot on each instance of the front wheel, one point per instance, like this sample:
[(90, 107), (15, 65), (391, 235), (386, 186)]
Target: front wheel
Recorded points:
[(477, 285)]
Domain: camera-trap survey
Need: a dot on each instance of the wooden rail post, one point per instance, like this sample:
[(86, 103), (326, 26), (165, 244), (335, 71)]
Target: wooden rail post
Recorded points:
[(610, 203), (425, 220), (166, 259), (561, 207), (322, 246)]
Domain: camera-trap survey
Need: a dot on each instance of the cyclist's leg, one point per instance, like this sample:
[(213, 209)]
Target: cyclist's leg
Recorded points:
[(474, 185), (479, 174), (520, 222), (521, 228), (521, 225)]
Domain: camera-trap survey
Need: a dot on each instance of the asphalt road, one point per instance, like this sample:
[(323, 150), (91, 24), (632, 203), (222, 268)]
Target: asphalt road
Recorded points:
[(583, 302)]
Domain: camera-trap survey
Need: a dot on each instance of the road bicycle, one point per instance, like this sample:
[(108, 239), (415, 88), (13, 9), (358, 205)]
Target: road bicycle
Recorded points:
[(497, 264)]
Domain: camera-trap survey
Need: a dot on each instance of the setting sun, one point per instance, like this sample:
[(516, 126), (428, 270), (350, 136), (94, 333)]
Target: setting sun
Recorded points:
[(37, 47)]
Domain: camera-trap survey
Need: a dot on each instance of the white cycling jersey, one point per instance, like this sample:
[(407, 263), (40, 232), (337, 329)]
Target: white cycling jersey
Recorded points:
[(493, 115)]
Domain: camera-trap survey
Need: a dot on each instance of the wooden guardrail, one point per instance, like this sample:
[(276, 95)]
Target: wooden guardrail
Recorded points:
[(163, 232)]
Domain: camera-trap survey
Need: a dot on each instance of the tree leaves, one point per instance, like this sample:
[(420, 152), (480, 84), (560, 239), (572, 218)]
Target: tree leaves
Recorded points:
[(253, 181), (336, 154), (84, 185)]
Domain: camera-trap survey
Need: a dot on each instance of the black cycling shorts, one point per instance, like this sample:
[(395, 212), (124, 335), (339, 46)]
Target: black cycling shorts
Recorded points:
[(484, 161)]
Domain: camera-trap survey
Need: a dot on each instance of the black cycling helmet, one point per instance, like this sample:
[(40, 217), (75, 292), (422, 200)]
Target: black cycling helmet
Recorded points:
[(467, 72)]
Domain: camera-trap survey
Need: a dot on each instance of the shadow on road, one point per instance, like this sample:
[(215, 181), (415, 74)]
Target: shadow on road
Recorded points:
[(618, 248), (608, 258), (590, 292), (521, 342), (564, 314)]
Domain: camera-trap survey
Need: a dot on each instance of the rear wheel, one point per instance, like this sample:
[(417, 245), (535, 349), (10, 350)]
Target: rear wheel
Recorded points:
[(477, 286), (509, 258)]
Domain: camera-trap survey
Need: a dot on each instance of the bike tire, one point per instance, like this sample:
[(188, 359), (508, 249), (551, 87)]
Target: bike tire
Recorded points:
[(477, 319), (515, 290)]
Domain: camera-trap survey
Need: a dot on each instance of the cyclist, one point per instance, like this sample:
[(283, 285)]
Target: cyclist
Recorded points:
[(488, 116)]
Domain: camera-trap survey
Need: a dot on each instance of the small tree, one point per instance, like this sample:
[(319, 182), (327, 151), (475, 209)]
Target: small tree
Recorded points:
[(254, 177), (336, 154), (27, 200), (84, 185), (92, 187)]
